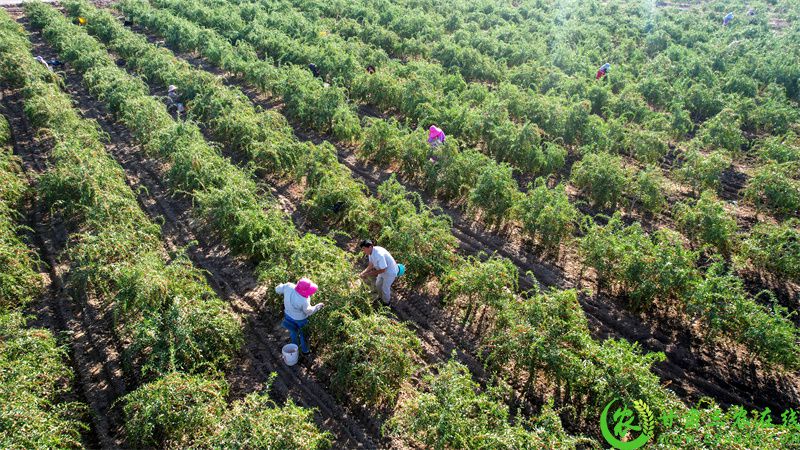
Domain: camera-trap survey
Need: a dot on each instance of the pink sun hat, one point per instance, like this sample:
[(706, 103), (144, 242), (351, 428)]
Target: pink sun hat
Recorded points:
[(305, 287)]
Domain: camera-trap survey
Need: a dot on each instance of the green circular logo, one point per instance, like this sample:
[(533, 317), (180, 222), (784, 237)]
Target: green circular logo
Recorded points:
[(626, 424)]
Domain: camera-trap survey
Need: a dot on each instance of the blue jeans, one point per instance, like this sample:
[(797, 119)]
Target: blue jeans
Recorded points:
[(295, 328)]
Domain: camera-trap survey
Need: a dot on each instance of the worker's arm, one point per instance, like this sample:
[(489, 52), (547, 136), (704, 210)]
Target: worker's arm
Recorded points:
[(281, 288), (366, 272), (307, 308), (378, 268)]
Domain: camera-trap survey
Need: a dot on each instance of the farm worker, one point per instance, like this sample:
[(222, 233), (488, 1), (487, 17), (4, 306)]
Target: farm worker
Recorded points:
[(727, 19), (172, 94), (80, 21), (370, 69), (382, 267), (297, 308), (435, 136), (314, 71), (44, 63), (602, 71)]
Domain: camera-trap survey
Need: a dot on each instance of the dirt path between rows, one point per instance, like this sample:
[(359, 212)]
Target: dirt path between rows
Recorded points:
[(234, 280), (694, 368)]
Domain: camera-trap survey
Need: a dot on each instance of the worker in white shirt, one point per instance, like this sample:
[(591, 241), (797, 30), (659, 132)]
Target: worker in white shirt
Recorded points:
[(297, 309), (382, 267)]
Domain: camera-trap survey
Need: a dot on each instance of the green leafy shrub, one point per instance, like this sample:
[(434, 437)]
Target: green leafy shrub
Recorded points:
[(703, 172), (721, 300), (382, 142), (648, 190), (257, 422), (643, 267), (772, 188), (495, 193), (547, 214), (179, 411), (34, 374), (602, 177), (418, 237), (646, 146), (780, 149), (173, 411), (774, 248), (723, 131), (371, 358), (706, 222), (543, 336), (19, 281), (332, 195), (458, 173), (449, 411), (475, 284)]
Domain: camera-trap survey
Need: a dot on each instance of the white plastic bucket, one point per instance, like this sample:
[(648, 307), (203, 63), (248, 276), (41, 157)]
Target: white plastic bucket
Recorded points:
[(290, 354)]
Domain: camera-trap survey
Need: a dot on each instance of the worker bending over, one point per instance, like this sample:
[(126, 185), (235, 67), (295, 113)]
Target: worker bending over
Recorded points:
[(382, 267)]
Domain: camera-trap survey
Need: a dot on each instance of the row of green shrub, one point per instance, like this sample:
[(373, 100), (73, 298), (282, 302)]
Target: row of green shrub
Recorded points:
[(34, 368), (171, 320)]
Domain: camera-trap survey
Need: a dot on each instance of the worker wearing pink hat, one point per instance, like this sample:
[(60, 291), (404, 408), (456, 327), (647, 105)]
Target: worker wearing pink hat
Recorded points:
[(297, 309)]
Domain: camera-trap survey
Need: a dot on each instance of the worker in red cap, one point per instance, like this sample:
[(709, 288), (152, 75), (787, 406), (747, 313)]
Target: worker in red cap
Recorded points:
[(297, 309)]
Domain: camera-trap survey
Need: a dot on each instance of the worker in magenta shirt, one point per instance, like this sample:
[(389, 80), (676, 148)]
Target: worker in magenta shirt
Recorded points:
[(435, 136)]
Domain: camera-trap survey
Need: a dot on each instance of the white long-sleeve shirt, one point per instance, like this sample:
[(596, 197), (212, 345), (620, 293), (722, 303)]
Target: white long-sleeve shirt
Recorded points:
[(295, 305)]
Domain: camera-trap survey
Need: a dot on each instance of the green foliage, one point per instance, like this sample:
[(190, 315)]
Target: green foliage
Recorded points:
[(722, 132), (547, 214), (162, 311), (601, 177), (646, 146), (458, 174), (774, 248), (332, 195), (257, 422), (172, 411), (476, 284), (5, 132), (703, 172), (449, 411), (180, 410), (544, 335), (372, 358), (382, 142), (34, 374), (780, 149), (720, 298), (19, 281), (419, 237), (773, 189), (495, 193), (706, 222), (648, 190), (642, 267)]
